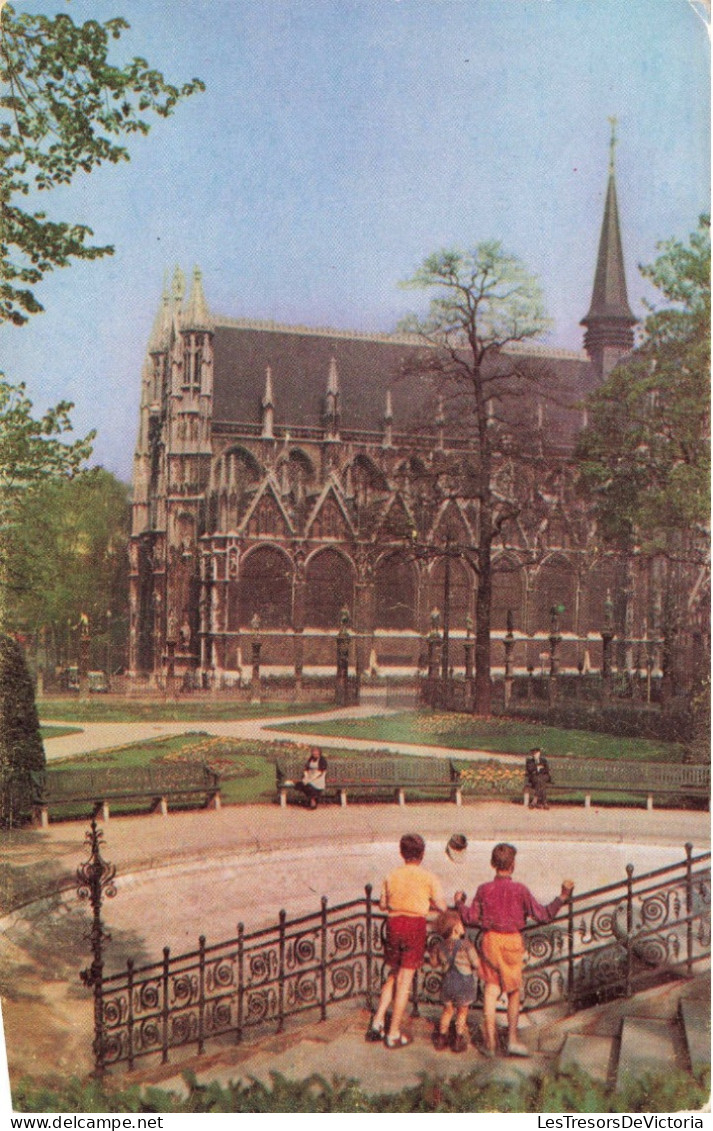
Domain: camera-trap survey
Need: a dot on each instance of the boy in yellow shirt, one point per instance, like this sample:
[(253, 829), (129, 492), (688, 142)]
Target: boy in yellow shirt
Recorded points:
[(407, 895)]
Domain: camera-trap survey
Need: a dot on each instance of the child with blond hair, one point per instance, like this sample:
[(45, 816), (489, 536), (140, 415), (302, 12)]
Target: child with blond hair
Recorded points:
[(459, 959)]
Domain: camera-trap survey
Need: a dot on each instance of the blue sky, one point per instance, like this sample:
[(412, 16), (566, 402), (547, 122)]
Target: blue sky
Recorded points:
[(340, 141)]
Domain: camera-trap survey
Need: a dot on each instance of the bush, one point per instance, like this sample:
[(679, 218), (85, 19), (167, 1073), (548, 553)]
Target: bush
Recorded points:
[(570, 1091), (22, 755), (675, 724)]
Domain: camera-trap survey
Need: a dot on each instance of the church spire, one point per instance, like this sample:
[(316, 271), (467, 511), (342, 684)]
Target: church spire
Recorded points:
[(268, 407), (160, 336), (332, 412), (196, 315), (609, 322)]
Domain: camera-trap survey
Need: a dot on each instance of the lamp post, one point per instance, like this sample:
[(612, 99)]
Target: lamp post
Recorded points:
[(555, 639)]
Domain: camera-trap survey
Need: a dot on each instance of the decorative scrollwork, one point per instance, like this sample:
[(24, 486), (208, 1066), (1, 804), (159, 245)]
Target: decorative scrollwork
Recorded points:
[(263, 966), (260, 1004), (343, 980), (147, 996), (219, 1015), (221, 973), (183, 988), (184, 1027), (114, 1011), (302, 951), (346, 940), (149, 1034)]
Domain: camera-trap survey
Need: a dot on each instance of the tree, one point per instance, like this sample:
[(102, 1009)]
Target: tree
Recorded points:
[(485, 302), (65, 109), (645, 455), (69, 557), (31, 454)]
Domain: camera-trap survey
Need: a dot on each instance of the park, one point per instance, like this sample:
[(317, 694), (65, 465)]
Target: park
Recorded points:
[(359, 597)]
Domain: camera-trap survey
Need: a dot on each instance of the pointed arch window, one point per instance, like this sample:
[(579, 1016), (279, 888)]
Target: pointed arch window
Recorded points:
[(193, 361)]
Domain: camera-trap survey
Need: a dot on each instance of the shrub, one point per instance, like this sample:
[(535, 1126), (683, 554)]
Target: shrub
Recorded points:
[(22, 755)]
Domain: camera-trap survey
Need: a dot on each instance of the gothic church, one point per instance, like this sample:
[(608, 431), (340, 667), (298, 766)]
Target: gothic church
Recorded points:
[(279, 471)]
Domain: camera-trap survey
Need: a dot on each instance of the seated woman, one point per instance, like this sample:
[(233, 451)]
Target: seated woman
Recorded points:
[(314, 777)]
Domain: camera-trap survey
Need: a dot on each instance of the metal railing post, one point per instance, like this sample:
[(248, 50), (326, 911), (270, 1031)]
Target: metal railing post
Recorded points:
[(165, 1009), (281, 974), (323, 962), (369, 951), (130, 1015), (241, 983), (689, 910), (201, 994), (570, 951), (95, 880), (629, 926)]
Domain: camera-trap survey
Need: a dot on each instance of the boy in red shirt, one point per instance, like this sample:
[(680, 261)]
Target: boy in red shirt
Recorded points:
[(407, 894), (502, 908)]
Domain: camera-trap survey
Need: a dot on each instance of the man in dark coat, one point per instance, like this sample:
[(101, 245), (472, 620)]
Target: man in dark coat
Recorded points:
[(537, 773)]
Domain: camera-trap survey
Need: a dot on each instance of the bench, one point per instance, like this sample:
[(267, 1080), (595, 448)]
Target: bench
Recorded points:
[(155, 784), (649, 779), (371, 776)]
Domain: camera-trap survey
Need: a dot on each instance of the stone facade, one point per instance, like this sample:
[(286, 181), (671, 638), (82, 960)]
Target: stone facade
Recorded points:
[(284, 473)]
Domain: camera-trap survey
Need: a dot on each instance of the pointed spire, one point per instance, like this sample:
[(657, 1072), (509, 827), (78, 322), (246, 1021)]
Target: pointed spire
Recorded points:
[(196, 315), (160, 337), (332, 402), (609, 321), (268, 408), (388, 421), (333, 378), (179, 285), (268, 398)]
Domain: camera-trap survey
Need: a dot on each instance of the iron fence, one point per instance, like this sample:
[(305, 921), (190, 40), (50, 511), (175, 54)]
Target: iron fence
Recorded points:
[(607, 942)]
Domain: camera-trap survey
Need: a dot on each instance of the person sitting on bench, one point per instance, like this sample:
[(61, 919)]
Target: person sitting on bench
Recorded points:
[(314, 777)]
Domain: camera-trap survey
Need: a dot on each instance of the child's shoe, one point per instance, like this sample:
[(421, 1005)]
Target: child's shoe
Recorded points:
[(440, 1041), (460, 1043)]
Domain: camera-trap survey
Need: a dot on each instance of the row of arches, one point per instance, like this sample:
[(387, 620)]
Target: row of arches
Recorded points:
[(401, 595)]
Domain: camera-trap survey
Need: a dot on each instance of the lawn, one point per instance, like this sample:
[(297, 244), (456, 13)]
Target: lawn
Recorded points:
[(247, 767), (501, 736), (58, 732), (107, 710)]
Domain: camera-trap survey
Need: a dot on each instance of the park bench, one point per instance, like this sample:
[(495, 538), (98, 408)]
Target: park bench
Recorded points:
[(370, 777), (155, 785), (647, 779)]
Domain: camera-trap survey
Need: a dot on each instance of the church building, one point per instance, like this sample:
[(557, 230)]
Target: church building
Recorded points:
[(283, 474)]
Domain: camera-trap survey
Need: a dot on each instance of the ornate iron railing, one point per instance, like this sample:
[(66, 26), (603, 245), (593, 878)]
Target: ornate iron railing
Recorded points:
[(606, 942)]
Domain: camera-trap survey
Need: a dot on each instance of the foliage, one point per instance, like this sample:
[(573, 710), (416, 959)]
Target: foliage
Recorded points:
[(571, 1091), (65, 109), (68, 557), (109, 709), (675, 725), (22, 754), (484, 302), (645, 457), (31, 453)]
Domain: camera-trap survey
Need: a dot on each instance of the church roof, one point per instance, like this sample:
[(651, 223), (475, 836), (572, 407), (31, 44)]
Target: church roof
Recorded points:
[(369, 365)]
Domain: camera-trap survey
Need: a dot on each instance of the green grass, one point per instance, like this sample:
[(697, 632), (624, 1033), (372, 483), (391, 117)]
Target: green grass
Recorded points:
[(58, 732), (463, 732), (105, 710)]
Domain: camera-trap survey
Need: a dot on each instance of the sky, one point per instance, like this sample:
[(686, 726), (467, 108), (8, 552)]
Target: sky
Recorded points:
[(339, 142)]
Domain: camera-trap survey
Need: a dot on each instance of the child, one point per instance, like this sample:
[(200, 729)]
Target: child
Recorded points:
[(407, 894), (502, 907), (458, 988)]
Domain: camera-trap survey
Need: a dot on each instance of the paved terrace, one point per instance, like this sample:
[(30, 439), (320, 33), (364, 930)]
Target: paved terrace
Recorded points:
[(48, 1017)]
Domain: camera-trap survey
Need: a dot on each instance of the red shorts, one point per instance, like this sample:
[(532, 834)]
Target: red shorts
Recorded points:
[(405, 942)]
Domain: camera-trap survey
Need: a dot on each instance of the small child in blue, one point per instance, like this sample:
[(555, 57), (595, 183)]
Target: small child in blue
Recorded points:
[(460, 960)]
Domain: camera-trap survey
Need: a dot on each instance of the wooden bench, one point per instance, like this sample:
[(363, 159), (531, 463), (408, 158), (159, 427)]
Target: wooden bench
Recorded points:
[(372, 776), (153, 784), (648, 779)]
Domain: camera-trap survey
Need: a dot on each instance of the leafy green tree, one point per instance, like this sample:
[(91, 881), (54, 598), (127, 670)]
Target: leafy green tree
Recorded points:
[(31, 454), (645, 455), (68, 558), (485, 301), (65, 109)]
